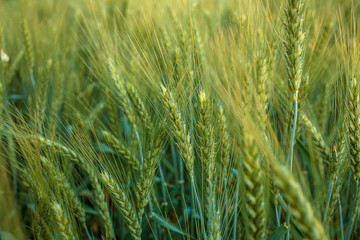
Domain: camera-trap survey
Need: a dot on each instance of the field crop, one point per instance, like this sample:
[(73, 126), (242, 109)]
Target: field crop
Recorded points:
[(185, 119)]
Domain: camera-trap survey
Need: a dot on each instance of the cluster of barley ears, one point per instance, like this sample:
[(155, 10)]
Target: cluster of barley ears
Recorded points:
[(185, 119)]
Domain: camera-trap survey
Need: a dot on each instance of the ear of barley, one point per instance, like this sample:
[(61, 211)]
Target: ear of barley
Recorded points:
[(57, 101), (294, 44), (224, 139), (42, 89), (121, 92), (179, 131), (167, 42), (29, 53), (112, 111), (323, 109), (200, 47), (354, 140), (62, 221), (183, 40), (65, 187), (294, 50), (207, 148), (354, 128), (300, 208), (43, 210), (13, 66), (254, 187), (322, 40), (317, 140), (147, 175), (121, 148), (263, 90), (99, 193), (179, 64), (124, 204), (184, 144), (139, 107)]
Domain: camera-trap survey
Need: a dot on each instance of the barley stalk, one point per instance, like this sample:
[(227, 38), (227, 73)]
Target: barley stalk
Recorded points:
[(294, 56), (184, 144), (215, 228), (338, 165)]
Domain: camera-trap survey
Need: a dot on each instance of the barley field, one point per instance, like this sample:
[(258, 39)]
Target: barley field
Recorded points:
[(179, 119)]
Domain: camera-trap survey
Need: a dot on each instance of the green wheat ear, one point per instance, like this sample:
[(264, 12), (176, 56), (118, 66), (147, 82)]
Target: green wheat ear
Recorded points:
[(124, 204), (29, 52), (179, 130), (146, 180), (300, 207), (354, 126), (250, 93), (254, 189), (62, 221)]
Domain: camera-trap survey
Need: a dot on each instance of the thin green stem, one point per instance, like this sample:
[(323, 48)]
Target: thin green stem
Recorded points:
[(199, 206), (328, 201), (352, 211), (341, 218), (292, 144), (236, 207), (140, 148)]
